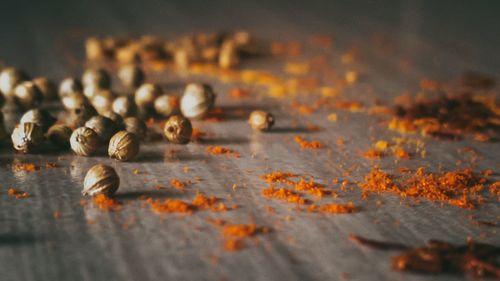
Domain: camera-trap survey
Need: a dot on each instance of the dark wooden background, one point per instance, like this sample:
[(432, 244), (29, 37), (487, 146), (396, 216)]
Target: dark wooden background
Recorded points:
[(441, 39)]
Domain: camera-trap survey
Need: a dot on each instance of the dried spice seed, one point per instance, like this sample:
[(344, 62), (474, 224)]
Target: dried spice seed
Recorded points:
[(38, 116), (84, 141), (261, 120), (197, 100), (100, 179), (59, 135), (166, 105), (27, 137), (27, 95), (9, 79), (131, 76), (146, 94), (178, 129), (124, 106), (123, 146), (136, 126), (98, 78), (69, 86), (104, 127)]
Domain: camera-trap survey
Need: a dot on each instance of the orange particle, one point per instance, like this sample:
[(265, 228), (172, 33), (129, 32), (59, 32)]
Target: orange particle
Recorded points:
[(50, 165), (17, 193), (372, 154), (333, 208), (353, 106), (283, 194), (281, 177), (243, 230), (197, 135), (429, 85), (209, 203), (239, 93), (27, 167), (313, 128), (56, 215), (105, 203), (401, 154), (219, 150), (170, 206), (311, 187), (232, 245), (177, 184), (304, 144)]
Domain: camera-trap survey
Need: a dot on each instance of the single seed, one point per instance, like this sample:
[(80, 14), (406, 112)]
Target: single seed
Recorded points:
[(261, 120), (100, 179), (228, 56), (70, 85), (131, 76), (146, 94), (124, 106), (103, 101), (84, 141), (197, 101), (104, 127), (38, 116), (27, 95), (27, 137), (46, 87), (98, 78), (9, 79), (136, 126), (74, 100), (81, 114), (123, 146), (59, 135), (167, 105), (178, 129)]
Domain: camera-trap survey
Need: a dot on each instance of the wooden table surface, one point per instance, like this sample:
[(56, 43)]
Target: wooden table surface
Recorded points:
[(439, 40)]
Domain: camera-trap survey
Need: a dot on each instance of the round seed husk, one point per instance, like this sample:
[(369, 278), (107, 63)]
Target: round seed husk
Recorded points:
[(261, 120), (131, 76), (98, 78), (81, 114), (27, 95), (73, 100), (9, 79), (46, 87), (146, 94), (197, 101), (125, 106), (27, 137), (59, 135), (136, 126), (178, 129), (166, 105), (70, 85), (123, 146), (103, 101), (104, 127), (100, 179), (84, 141), (38, 116)]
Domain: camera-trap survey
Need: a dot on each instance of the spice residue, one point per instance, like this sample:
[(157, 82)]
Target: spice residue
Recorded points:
[(333, 208), (304, 144), (18, 194), (219, 150)]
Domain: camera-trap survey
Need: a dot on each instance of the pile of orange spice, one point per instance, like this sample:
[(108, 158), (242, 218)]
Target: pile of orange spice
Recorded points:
[(219, 150), (17, 193), (106, 203), (304, 144), (235, 234), (333, 208), (460, 188)]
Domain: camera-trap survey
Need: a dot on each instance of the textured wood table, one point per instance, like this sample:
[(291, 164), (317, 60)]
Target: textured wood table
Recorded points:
[(438, 40)]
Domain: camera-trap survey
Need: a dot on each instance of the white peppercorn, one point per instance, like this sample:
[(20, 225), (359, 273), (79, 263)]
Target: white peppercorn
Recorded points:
[(178, 129), (38, 116), (59, 135), (104, 127), (27, 95), (84, 141), (197, 101), (123, 146), (261, 120), (124, 106), (27, 137), (146, 94), (100, 179), (136, 126), (166, 105), (131, 75), (9, 79)]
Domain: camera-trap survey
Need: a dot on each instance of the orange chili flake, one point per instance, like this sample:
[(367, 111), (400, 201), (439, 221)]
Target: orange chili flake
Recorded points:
[(372, 154), (304, 144), (170, 206), (17, 193), (353, 106), (281, 177), (232, 245), (106, 203), (50, 165), (313, 128), (243, 230), (203, 202), (219, 150), (400, 153), (333, 208), (239, 93), (283, 194), (27, 167), (177, 184), (311, 187)]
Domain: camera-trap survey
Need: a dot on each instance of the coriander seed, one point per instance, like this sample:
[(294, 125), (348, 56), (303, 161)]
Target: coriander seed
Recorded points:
[(100, 179), (131, 76), (146, 94), (261, 120), (38, 116), (98, 78), (70, 85), (178, 129), (27, 137), (84, 141), (116, 118), (81, 114), (74, 100), (136, 126), (124, 106), (166, 105), (197, 101), (104, 127), (103, 101), (123, 146), (59, 135), (27, 95), (46, 87), (9, 79)]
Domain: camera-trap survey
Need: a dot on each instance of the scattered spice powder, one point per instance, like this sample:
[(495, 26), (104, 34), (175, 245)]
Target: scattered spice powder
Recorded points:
[(281, 177), (311, 187), (460, 188), (333, 208), (304, 144), (219, 150), (283, 194), (106, 203), (239, 93), (17, 193), (210, 203), (233, 245), (400, 153), (197, 135), (170, 206), (372, 154), (177, 184), (26, 167)]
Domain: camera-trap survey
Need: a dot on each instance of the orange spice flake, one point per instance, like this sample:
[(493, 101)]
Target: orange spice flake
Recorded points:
[(400, 153), (209, 203), (281, 177), (304, 144), (372, 154), (333, 208), (177, 184), (219, 150), (232, 245), (283, 194), (239, 93), (460, 188), (17, 193), (311, 187), (197, 135), (170, 206), (243, 230), (106, 203), (26, 167)]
